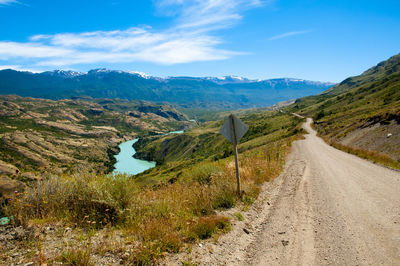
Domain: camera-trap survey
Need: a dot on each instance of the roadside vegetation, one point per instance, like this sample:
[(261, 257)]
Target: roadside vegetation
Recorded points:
[(373, 156), (164, 210), (361, 115)]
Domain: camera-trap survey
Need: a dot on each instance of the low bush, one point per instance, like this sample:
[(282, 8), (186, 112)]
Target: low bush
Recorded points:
[(203, 172), (85, 199), (206, 226), (76, 257)]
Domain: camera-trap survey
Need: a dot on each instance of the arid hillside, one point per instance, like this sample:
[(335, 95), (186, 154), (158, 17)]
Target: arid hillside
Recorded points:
[(39, 136)]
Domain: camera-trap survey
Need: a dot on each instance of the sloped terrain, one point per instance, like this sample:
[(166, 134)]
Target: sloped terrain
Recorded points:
[(174, 153), (362, 111), (40, 136), (326, 208)]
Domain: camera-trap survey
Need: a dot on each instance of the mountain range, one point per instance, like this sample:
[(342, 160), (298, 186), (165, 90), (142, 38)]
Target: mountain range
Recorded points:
[(227, 92)]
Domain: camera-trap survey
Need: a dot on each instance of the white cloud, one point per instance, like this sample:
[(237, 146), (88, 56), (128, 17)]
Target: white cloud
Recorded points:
[(31, 50), (19, 68), (288, 34), (206, 13), (8, 2), (190, 39)]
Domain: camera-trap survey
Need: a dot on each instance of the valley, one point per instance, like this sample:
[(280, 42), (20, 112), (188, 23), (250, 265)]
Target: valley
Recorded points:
[(298, 191), (41, 137), (138, 220)]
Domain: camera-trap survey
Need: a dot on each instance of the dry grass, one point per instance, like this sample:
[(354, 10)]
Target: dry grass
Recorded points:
[(159, 219), (76, 257), (373, 156)]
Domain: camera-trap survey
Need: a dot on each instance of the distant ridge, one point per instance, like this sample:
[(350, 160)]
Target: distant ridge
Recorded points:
[(227, 92)]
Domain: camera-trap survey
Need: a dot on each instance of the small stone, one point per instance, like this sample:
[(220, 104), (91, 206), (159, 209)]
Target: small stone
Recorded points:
[(200, 245), (28, 264), (285, 242), (281, 233)]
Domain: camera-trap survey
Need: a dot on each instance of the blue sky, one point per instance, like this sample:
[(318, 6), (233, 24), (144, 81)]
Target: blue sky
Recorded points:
[(310, 39)]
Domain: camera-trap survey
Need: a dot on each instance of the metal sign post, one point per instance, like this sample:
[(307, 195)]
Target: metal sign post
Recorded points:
[(233, 130)]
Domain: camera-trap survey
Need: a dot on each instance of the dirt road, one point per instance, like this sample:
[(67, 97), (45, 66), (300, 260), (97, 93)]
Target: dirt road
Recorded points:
[(327, 208)]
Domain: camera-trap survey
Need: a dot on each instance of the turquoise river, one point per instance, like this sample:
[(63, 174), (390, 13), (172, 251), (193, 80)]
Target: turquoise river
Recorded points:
[(126, 164)]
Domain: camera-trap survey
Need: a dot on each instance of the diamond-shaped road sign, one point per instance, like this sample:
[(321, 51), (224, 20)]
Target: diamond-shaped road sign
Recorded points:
[(234, 129), (227, 129)]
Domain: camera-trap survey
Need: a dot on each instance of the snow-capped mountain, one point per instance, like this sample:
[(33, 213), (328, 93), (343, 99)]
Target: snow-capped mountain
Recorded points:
[(229, 79), (220, 92), (71, 73), (64, 73)]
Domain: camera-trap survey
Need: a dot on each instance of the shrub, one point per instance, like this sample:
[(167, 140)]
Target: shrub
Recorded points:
[(76, 257), (224, 199), (319, 115), (85, 199), (204, 172), (206, 226)]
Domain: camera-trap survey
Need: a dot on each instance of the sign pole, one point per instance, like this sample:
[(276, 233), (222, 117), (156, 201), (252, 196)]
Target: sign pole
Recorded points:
[(233, 130), (236, 154)]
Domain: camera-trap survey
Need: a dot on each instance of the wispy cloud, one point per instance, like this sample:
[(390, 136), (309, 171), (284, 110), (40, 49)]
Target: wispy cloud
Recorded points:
[(8, 2), (20, 68), (211, 14), (191, 38), (288, 34)]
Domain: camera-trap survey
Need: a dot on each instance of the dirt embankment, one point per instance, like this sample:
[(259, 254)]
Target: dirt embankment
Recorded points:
[(383, 137)]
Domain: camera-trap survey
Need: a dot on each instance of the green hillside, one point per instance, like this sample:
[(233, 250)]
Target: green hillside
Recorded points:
[(362, 112), (205, 144)]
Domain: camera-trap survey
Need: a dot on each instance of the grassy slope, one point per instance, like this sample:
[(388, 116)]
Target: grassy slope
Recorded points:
[(169, 207), (176, 152), (357, 104)]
